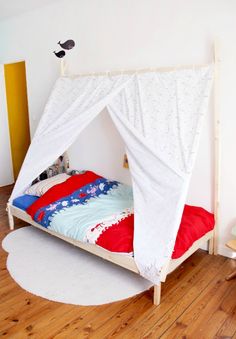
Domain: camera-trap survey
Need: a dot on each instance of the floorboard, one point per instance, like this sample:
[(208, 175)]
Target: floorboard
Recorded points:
[(197, 302)]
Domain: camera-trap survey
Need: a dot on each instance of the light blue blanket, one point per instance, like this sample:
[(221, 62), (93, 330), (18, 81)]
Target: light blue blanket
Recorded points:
[(74, 221)]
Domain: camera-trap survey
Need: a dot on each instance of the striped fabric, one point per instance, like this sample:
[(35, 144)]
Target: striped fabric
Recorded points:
[(43, 186)]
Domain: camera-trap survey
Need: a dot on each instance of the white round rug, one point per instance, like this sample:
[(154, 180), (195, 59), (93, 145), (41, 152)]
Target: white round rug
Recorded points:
[(53, 269)]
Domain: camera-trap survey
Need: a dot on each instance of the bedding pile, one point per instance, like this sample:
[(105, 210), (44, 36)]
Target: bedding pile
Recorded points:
[(93, 209)]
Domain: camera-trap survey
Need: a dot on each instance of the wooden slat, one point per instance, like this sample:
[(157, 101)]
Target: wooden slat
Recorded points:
[(108, 314), (95, 320), (217, 146), (198, 314), (156, 322), (223, 317), (232, 244), (138, 71)]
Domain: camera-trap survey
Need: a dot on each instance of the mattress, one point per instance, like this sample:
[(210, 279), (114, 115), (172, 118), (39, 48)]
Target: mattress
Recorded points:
[(92, 209)]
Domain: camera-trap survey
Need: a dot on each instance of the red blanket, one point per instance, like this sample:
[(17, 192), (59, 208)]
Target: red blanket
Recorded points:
[(195, 223)]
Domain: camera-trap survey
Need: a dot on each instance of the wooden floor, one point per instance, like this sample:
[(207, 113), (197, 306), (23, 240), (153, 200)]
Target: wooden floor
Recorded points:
[(197, 302)]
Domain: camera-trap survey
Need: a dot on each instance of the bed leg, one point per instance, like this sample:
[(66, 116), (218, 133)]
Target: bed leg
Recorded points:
[(10, 218), (211, 246), (157, 295)]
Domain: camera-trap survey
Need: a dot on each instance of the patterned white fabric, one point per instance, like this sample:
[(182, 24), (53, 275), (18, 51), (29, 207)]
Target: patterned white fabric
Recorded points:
[(159, 115)]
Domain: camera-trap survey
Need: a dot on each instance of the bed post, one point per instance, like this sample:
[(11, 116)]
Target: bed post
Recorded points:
[(10, 217), (217, 149), (157, 294), (63, 67)]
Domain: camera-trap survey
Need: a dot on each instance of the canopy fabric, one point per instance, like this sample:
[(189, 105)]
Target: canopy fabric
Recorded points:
[(159, 116)]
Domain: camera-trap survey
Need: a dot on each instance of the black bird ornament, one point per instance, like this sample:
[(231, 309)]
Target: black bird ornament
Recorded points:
[(60, 54), (68, 44)]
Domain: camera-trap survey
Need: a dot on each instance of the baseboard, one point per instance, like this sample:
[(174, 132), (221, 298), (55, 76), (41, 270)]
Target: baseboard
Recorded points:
[(222, 250), (226, 252)]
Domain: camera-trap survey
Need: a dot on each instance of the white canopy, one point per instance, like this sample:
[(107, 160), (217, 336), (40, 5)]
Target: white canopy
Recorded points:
[(159, 116)]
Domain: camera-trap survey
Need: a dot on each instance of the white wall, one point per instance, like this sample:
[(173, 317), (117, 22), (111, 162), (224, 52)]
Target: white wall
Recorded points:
[(129, 34)]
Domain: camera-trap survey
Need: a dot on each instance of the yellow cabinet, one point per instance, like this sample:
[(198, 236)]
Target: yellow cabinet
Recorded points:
[(14, 121)]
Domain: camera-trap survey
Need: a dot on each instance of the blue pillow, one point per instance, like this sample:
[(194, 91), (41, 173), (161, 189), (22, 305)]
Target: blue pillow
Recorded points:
[(25, 201)]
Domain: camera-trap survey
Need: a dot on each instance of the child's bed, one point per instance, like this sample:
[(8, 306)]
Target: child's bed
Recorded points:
[(96, 215), (112, 238)]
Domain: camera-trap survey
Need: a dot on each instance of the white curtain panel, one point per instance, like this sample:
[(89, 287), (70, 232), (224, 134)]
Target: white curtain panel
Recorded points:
[(159, 115), (73, 104)]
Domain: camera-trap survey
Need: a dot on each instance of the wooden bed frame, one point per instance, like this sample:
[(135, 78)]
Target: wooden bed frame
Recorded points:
[(122, 260), (127, 261)]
